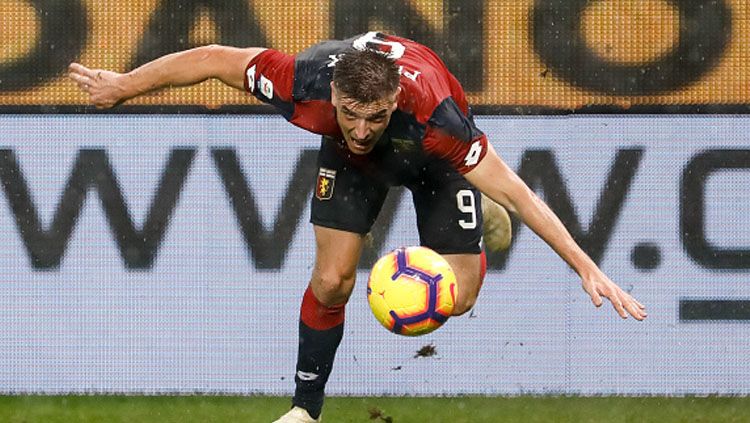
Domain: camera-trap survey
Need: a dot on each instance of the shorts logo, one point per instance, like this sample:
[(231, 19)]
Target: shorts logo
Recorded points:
[(401, 144), (266, 87), (324, 188)]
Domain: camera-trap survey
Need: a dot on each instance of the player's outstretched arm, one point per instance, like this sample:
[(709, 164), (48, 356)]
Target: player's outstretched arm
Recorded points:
[(494, 178), (107, 89)]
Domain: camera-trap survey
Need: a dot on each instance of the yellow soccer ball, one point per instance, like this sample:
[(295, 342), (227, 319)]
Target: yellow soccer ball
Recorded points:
[(412, 291)]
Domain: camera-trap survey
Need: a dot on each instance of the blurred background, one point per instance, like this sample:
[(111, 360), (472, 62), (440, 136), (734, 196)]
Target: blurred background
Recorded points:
[(519, 55), (163, 246)]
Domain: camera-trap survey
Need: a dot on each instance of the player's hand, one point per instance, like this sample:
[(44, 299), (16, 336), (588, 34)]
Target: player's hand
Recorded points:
[(102, 86), (599, 285)]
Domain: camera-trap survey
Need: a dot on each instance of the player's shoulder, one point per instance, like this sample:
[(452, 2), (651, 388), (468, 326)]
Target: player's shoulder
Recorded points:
[(323, 52), (426, 83), (313, 69)]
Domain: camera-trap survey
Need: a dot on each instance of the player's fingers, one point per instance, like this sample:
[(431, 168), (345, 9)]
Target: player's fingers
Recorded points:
[(596, 298), (629, 298), (75, 68), (620, 310), (86, 88), (81, 70), (617, 304), (83, 81), (635, 311)]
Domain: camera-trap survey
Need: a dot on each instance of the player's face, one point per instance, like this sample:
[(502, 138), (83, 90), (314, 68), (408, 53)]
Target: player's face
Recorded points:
[(363, 123)]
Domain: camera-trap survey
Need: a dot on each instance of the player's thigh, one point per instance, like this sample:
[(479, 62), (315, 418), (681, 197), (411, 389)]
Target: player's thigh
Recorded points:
[(449, 212), (449, 218), (345, 204), (336, 257), (345, 198)]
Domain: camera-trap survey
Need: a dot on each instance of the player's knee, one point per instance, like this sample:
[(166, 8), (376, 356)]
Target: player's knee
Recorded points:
[(333, 287), (468, 291), (464, 303)]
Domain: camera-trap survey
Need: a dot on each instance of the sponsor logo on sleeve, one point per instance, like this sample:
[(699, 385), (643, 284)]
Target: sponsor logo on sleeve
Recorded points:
[(251, 78), (266, 87), (475, 153)]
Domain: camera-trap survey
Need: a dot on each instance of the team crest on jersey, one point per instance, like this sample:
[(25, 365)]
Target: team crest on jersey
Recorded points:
[(326, 180)]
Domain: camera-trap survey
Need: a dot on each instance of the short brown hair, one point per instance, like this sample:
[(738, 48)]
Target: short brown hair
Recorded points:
[(365, 75)]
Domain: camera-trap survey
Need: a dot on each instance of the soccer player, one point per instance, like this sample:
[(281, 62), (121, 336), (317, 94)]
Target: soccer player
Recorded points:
[(389, 113)]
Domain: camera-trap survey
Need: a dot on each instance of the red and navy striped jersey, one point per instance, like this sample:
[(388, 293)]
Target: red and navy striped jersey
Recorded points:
[(432, 109)]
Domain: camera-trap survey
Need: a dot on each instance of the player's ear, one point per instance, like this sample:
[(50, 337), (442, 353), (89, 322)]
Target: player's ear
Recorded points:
[(334, 95), (396, 97)]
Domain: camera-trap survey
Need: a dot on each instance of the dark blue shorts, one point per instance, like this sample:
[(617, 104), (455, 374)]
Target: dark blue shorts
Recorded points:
[(350, 191)]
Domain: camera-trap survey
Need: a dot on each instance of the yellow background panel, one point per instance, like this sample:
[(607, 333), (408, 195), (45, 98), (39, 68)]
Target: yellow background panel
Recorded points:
[(631, 31), (515, 75), (619, 31), (16, 44)]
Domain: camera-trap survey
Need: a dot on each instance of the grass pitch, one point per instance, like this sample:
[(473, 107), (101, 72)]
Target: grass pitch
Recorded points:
[(216, 409)]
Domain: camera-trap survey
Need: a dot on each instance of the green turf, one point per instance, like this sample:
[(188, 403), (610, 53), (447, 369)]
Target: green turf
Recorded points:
[(162, 409)]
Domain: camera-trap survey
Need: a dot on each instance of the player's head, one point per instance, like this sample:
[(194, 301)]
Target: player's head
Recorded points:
[(365, 91)]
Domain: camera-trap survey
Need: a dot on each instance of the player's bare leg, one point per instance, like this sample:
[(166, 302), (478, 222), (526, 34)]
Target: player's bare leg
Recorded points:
[(321, 324), (469, 275), (497, 225), (336, 258)]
